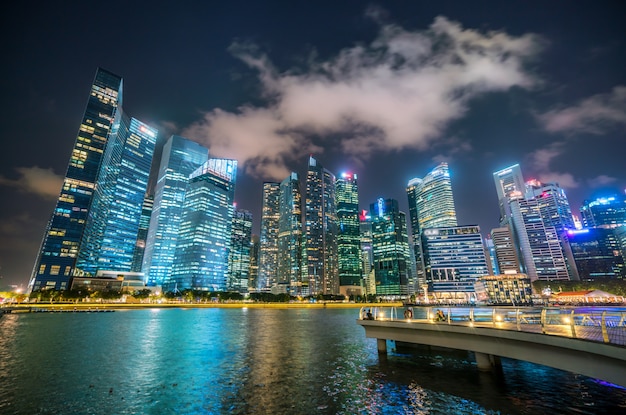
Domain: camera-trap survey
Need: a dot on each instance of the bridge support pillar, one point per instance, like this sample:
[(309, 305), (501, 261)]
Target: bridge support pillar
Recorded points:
[(382, 346), (487, 362)]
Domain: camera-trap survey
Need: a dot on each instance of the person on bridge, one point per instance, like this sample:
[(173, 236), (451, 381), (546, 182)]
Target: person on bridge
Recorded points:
[(440, 316)]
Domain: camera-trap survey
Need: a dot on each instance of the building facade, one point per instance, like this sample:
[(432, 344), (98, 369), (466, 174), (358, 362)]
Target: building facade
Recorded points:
[(56, 260), (268, 240), (320, 231), (180, 158), (348, 235), (240, 246), (390, 248), (204, 236), (454, 260), (110, 235), (289, 276)]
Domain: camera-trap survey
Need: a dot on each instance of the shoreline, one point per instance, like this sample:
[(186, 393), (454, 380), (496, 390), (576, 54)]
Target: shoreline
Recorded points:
[(82, 307)]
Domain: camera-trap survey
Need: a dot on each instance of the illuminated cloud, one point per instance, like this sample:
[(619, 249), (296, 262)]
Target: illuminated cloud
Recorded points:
[(399, 92), (592, 115), (540, 161), (601, 181), (42, 182)]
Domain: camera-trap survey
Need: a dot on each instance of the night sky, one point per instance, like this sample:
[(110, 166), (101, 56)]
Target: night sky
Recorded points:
[(386, 90)]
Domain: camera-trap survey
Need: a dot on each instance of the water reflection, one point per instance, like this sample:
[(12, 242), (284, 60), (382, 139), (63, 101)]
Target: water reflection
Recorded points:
[(259, 361)]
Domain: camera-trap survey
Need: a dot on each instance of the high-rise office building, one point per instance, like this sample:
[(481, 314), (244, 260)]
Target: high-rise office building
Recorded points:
[(240, 245), (320, 231), (607, 212), (289, 257), (204, 235), (553, 204), (539, 243), (510, 185), (57, 256), (142, 233), (255, 245), (110, 234), (180, 158), (367, 254), (506, 253), (390, 246), (268, 241), (596, 252), (454, 259), (348, 235), (431, 205)]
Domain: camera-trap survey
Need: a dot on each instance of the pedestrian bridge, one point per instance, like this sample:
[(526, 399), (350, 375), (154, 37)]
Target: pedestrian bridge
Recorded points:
[(590, 341)]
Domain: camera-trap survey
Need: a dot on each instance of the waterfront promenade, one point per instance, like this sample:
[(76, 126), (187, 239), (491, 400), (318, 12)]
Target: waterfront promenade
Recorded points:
[(586, 340)]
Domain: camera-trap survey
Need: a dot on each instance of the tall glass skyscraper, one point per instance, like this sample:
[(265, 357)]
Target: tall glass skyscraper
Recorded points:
[(204, 236), (240, 246), (348, 236), (268, 240), (607, 212), (110, 233), (510, 185), (142, 234), (56, 260), (289, 257), (553, 204), (180, 158), (320, 231), (390, 246), (431, 205)]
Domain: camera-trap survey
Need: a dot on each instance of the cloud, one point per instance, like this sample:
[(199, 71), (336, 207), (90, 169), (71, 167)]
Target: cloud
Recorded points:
[(541, 160), (601, 181), (398, 92), (594, 115), (42, 182)]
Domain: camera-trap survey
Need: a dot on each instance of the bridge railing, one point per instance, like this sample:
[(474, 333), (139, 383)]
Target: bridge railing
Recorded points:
[(601, 325)]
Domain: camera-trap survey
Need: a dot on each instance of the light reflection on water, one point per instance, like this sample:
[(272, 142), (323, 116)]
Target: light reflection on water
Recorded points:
[(259, 361)]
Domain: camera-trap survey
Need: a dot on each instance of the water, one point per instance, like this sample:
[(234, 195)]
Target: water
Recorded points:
[(259, 361)]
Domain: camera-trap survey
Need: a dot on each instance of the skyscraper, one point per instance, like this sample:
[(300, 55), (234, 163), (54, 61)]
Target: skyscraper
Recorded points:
[(204, 235), (268, 243), (553, 204), (390, 246), (607, 212), (289, 276), (509, 185), (56, 260), (505, 248), (142, 233), (454, 259), (110, 234), (240, 245), (180, 158), (596, 252), (320, 231), (539, 243), (431, 205), (348, 235)]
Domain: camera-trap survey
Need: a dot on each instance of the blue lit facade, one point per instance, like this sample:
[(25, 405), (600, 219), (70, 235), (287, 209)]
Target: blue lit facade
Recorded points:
[(240, 246), (110, 234), (180, 158), (56, 261), (390, 247), (348, 235), (597, 253), (204, 236), (142, 233), (607, 211), (455, 258)]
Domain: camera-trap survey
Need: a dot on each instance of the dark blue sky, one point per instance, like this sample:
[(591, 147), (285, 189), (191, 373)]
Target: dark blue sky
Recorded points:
[(386, 90)]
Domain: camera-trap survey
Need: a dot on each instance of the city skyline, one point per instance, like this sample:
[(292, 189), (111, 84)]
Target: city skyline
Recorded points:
[(515, 82)]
